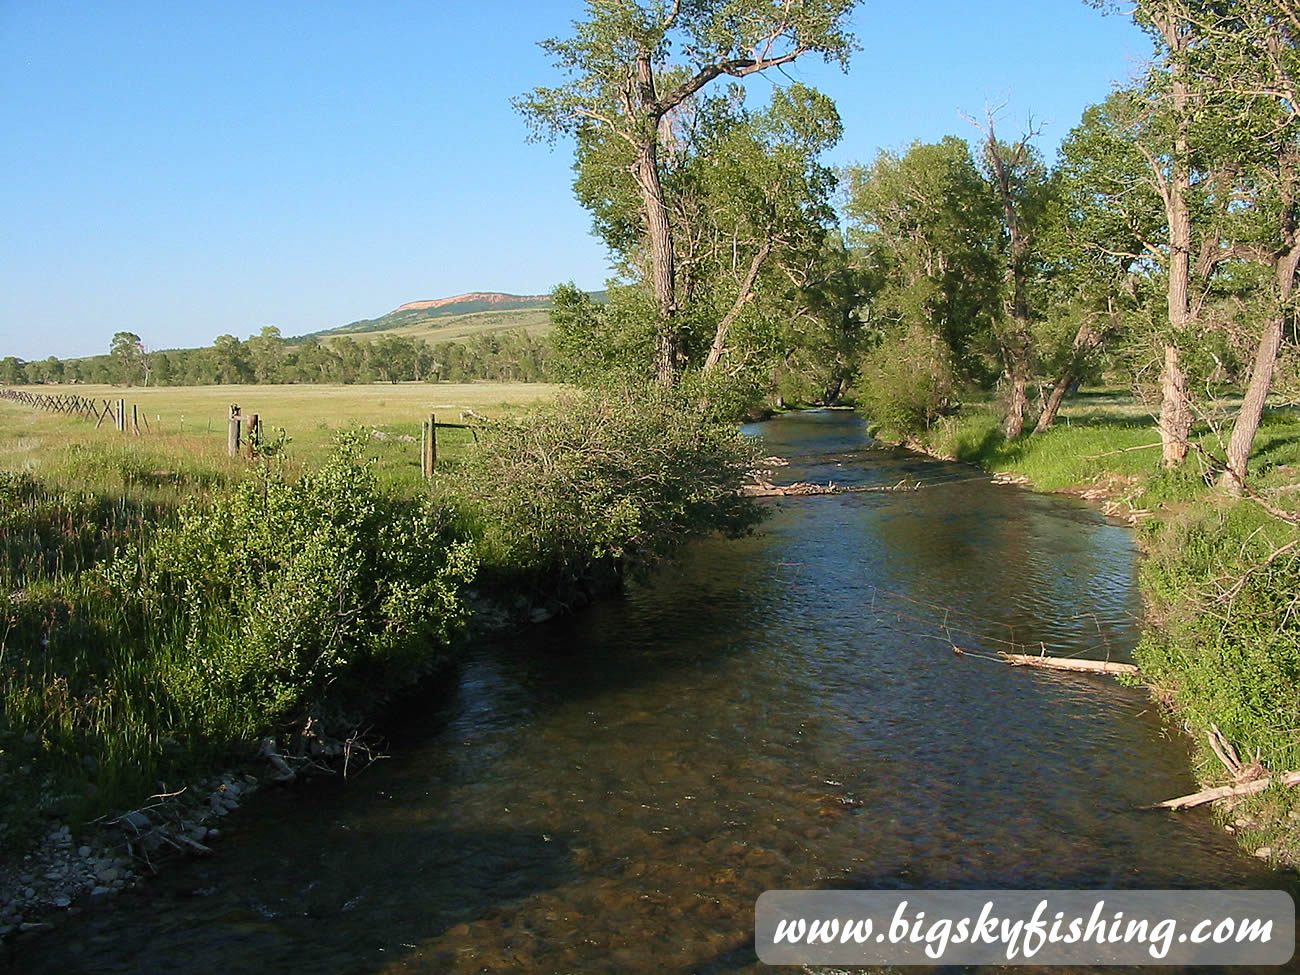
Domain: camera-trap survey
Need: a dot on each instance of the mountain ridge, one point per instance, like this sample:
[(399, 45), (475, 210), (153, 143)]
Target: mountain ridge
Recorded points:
[(416, 313), (494, 298)]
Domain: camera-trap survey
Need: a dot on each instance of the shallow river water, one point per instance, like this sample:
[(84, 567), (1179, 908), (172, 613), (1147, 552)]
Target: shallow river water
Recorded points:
[(611, 793)]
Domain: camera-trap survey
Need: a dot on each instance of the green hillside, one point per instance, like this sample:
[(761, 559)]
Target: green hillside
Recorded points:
[(417, 313), (448, 328)]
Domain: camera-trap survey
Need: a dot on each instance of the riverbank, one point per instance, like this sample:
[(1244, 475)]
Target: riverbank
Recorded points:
[(151, 641), (1219, 577)]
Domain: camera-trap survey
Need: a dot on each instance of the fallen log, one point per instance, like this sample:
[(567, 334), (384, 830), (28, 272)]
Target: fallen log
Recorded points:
[(764, 489), (1226, 792), (1069, 663)]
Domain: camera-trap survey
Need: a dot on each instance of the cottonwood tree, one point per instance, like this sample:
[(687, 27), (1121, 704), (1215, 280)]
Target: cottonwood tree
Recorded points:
[(1019, 181), (1248, 77), (266, 351), (633, 65), (1105, 235), (925, 226), (1172, 25), (768, 201)]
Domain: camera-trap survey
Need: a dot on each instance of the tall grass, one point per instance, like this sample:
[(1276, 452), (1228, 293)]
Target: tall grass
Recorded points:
[(141, 639)]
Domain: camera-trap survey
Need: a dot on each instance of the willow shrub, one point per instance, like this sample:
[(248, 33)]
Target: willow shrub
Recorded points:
[(287, 584), (197, 636), (604, 480), (907, 383)]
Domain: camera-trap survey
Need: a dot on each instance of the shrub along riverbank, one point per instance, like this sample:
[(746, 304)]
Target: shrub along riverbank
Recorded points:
[(1220, 576), (147, 640)]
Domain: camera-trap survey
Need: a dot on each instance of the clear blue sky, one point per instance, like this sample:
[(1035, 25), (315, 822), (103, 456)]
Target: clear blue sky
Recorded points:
[(183, 170)]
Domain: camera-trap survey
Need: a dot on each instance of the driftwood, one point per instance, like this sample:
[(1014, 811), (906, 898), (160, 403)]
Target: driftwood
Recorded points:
[(1069, 663), (766, 489), (1227, 792)]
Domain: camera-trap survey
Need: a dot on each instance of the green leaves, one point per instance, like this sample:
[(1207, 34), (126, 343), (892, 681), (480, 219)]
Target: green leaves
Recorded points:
[(286, 584), (622, 476)]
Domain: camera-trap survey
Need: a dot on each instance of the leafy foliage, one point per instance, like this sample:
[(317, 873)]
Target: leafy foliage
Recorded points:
[(135, 646), (620, 477)]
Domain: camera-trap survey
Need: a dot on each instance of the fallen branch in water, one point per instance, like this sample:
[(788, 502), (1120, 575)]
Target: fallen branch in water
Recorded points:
[(1226, 792), (1069, 663), (766, 489)]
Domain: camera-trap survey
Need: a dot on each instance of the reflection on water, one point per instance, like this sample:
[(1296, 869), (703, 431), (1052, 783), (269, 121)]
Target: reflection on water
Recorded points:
[(613, 792)]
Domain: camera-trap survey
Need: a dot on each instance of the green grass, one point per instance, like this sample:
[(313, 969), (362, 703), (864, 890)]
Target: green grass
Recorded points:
[(182, 451)]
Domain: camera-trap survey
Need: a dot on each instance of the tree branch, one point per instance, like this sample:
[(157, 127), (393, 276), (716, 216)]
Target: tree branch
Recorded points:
[(736, 67)]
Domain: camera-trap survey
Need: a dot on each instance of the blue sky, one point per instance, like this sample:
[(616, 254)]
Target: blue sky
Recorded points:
[(183, 170)]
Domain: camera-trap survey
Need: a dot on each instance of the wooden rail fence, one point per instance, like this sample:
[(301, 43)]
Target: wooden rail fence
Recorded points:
[(85, 407)]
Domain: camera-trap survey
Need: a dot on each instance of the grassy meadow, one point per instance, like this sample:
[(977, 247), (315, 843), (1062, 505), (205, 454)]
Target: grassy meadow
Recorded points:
[(183, 449)]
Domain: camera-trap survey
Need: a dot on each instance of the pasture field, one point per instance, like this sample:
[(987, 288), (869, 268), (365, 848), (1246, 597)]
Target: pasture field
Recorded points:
[(183, 448)]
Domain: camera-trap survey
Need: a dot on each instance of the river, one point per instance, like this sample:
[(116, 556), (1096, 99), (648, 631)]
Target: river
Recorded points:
[(611, 792)]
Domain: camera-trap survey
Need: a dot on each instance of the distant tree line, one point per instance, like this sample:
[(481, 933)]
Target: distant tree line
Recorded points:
[(509, 356)]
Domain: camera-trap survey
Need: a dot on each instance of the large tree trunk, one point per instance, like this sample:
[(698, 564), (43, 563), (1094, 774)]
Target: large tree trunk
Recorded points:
[(1053, 405), (744, 295), (1261, 378), (1016, 367), (662, 271), (1016, 346), (1252, 407), (1175, 412), (1017, 406), (659, 231)]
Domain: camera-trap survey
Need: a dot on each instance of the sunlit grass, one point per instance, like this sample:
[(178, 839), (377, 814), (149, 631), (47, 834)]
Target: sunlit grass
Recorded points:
[(182, 450)]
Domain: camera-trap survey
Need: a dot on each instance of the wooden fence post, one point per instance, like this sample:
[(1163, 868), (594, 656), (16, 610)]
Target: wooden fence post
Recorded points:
[(232, 433), (135, 419), (433, 444), (254, 434), (121, 416)]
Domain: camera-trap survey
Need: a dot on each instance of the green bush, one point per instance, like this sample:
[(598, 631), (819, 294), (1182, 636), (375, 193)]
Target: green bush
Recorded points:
[(619, 477), (196, 637), (1226, 632), (286, 584), (907, 382)]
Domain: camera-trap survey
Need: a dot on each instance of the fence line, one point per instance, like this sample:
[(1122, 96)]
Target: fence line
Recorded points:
[(244, 430), (85, 407)]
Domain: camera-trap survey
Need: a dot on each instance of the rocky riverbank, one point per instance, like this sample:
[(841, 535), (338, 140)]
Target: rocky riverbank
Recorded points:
[(58, 875)]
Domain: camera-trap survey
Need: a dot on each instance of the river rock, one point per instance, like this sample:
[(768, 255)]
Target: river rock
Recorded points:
[(1264, 853)]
